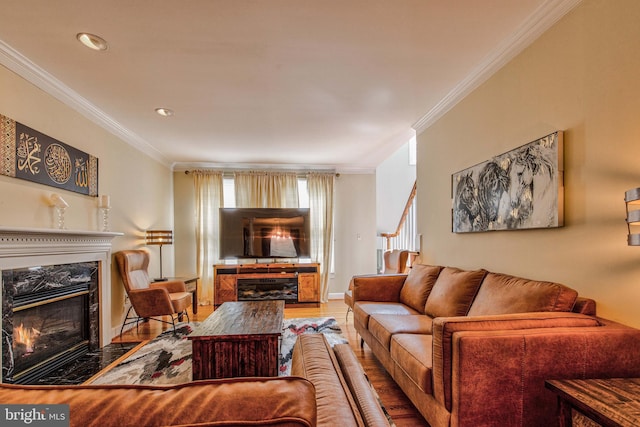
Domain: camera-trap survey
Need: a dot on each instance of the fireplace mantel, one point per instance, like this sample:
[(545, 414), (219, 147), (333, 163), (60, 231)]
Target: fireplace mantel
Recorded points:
[(28, 247), (37, 241)]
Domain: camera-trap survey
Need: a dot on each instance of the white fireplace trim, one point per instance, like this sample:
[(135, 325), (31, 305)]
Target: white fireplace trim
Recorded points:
[(29, 247)]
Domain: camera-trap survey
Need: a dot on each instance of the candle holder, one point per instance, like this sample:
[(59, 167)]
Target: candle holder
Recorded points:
[(104, 204), (104, 219), (60, 217), (59, 206)]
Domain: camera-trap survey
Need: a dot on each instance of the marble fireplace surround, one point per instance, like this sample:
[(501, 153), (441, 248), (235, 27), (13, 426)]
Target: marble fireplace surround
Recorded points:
[(29, 247)]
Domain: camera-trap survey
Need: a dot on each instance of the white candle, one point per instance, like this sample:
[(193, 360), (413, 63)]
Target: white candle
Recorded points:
[(105, 201)]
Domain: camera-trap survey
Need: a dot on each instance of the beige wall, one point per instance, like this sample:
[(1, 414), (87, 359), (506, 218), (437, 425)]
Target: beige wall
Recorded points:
[(354, 229), (582, 76), (354, 216), (136, 183)]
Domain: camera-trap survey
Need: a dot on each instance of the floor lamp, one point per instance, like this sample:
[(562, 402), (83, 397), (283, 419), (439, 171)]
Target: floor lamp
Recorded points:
[(159, 237)]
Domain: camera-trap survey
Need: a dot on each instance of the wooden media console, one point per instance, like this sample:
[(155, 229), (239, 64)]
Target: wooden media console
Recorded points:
[(292, 283)]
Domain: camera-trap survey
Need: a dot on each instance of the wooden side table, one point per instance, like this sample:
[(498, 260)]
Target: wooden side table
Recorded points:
[(191, 282), (598, 402)]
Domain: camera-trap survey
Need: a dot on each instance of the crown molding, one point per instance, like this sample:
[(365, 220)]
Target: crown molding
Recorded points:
[(535, 25), (22, 66)]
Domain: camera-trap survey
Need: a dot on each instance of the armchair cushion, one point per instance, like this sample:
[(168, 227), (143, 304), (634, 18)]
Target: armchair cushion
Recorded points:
[(151, 302), (418, 285), (502, 294), (453, 292)]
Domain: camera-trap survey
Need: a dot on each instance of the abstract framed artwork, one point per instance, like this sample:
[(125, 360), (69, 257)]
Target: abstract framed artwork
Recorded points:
[(520, 189), (28, 154)]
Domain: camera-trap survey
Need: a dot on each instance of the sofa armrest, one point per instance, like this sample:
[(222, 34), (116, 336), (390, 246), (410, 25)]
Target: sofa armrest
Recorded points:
[(363, 394), (172, 286), (380, 287), (314, 360), (445, 329), (498, 376)]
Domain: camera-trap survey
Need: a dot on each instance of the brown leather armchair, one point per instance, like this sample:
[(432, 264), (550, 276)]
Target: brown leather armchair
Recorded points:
[(395, 261), (150, 300)]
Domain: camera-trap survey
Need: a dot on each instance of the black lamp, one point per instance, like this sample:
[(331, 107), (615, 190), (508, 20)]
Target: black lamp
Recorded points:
[(160, 237)]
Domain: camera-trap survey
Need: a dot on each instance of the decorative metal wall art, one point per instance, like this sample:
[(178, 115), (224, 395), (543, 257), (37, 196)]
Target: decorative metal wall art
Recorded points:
[(28, 154), (520, 189)]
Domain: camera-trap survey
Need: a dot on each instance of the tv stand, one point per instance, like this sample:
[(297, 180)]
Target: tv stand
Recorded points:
[(293, 283)]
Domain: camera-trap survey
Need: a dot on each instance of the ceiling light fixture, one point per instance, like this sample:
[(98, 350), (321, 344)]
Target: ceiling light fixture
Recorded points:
[(92, 41), (164, 112)]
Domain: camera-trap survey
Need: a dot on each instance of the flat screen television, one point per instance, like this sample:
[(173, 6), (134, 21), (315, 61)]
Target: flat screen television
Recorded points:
[(264, 233)]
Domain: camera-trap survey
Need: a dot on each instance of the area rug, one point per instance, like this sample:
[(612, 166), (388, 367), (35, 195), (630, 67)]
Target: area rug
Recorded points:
[(298, 326), (167, 358)]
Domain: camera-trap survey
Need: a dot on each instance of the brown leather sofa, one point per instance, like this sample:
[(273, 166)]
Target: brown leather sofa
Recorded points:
[(327, 388), (473, 348)]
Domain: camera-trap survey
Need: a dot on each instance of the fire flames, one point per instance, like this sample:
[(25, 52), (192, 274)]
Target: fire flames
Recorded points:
[(26, 336)]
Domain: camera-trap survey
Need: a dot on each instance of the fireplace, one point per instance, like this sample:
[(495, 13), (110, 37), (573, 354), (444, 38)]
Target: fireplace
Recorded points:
[(269, 288), (48, 320), (56, 298)]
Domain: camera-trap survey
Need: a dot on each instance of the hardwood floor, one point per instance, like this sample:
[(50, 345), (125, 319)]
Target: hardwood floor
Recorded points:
[(394, 400)]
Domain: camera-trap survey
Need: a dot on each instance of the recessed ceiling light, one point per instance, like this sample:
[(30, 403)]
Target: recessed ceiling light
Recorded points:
[(92, 41), (165, 112)]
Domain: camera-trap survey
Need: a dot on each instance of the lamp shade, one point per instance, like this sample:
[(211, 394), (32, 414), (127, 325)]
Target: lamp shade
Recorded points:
[(632, 201), (159, 237)]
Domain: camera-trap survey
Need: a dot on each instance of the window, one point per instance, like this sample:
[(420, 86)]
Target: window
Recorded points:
[(229, 193), (412, 151)]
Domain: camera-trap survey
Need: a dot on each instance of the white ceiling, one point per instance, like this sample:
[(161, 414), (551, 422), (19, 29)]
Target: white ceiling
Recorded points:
[(321, 84)]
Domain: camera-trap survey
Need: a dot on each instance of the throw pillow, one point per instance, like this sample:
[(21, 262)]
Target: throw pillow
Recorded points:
[(418, 285), (453, 292)]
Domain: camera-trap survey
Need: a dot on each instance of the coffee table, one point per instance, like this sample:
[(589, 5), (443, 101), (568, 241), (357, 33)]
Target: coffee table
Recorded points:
[(239, 339)]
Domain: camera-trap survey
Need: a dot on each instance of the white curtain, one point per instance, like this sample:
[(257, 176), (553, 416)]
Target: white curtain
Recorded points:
[(266, 190), (209, 199), (321, 195)]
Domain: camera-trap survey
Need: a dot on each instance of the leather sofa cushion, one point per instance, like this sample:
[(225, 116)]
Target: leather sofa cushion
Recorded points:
[(362, 310), (377, 287), (413, 354), (418, 285), (228, 402), (505, 294), (453, 292), (314, 360), (384, 326)]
